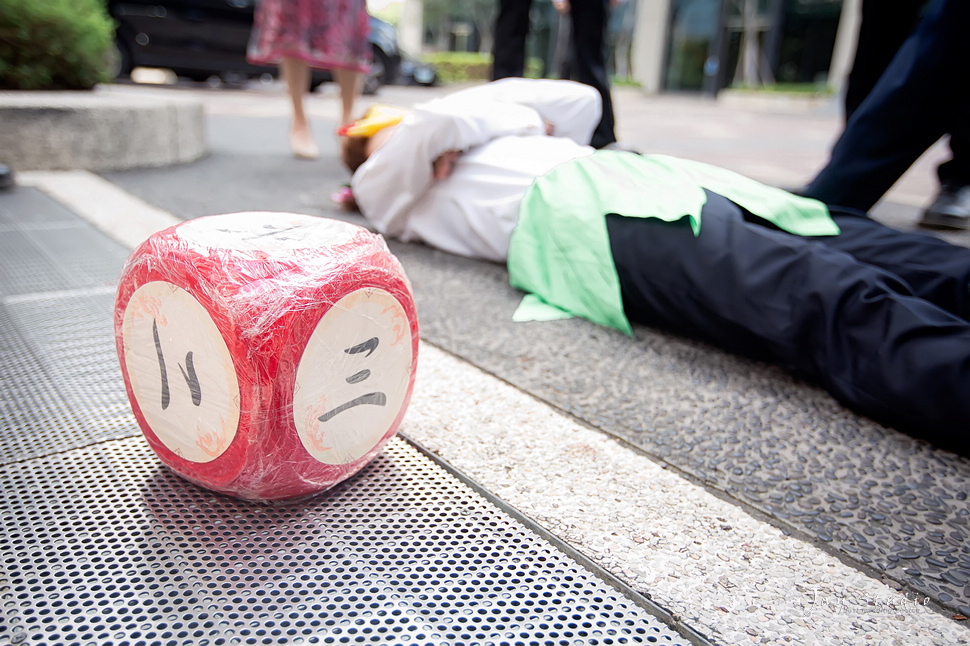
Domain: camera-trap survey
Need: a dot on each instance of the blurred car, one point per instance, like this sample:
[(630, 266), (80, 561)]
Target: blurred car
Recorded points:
[(198, 39), (412, 72)]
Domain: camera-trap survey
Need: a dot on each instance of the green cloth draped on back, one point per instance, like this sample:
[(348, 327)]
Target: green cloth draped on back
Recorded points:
[(560, 249)]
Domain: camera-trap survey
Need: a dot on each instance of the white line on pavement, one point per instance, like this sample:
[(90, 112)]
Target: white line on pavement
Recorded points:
[(121, 215)]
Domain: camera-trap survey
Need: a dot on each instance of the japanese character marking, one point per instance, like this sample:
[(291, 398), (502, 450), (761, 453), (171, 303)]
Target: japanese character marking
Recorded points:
[(166, 397), (375, 398), (367, 346), (188, 373)]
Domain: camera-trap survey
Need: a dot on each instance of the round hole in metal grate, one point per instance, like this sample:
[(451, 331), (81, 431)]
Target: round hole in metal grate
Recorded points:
[(106, 546)]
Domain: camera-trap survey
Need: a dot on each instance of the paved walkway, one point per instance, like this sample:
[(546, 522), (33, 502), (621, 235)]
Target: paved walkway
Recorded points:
[(751, 507)]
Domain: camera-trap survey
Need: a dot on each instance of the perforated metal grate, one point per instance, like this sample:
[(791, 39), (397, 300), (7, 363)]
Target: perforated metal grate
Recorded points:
[(60, 385), (46, 248), (30, 207), (103, 545), (56, 257)]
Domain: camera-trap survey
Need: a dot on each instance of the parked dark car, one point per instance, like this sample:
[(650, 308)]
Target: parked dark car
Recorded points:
[(199, 39), (413, 72)]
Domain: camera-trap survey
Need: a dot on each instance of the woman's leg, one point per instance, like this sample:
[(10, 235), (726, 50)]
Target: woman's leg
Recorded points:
[(856, 329), (296, 75), (349, 82)]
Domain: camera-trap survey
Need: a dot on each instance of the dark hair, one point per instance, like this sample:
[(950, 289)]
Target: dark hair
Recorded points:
[(353, 152)]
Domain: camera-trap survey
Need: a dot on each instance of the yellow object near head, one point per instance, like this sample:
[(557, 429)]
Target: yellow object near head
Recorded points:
[(376, 118)]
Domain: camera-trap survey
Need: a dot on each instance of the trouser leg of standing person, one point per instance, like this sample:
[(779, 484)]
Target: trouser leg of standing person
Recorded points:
[(511, 29), (885, 26), (854, 328), (589, 22), (915, 102)]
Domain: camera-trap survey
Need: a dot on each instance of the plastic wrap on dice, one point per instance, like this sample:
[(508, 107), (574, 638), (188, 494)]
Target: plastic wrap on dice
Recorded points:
[(266, 355)]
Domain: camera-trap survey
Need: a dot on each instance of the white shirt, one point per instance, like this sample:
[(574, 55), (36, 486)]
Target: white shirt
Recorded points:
[(500, 128)]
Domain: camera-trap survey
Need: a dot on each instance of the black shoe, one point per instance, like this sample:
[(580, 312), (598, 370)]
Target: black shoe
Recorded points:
[(950, 210), (6, 177)]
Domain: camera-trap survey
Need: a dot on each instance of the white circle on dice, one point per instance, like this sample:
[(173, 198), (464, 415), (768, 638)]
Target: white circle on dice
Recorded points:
[(265, 232), (181, 372), (353, 376)]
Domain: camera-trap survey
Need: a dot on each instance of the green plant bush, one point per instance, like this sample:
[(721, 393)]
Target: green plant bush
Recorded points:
[(463, 67), (533, 68), (460, 67), (54, 44)]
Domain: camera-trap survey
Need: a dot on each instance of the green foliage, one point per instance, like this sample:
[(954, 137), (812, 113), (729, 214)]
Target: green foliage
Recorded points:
[(533, 68), (623, 81), (800, 88), (54, 44), (463, 67), (805, 89)]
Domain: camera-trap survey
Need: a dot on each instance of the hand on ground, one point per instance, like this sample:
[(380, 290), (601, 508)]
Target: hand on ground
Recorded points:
[(445, 164)]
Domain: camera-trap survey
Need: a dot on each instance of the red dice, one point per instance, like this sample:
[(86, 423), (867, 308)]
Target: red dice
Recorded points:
[(266, 355)]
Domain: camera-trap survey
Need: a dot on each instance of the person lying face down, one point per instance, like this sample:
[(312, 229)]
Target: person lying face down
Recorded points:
[(499, 131), (879, 317)]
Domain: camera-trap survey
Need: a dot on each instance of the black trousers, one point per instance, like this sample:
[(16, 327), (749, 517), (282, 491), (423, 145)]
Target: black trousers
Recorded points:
[(877, 316), (920, 97), (589, 23), (884, 27)]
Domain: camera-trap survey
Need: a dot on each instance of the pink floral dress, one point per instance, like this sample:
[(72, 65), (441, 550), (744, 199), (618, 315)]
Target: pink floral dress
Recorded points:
[(327, 34)]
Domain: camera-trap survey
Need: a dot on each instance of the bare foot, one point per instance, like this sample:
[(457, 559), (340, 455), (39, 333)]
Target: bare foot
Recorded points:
[(303, 144)]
